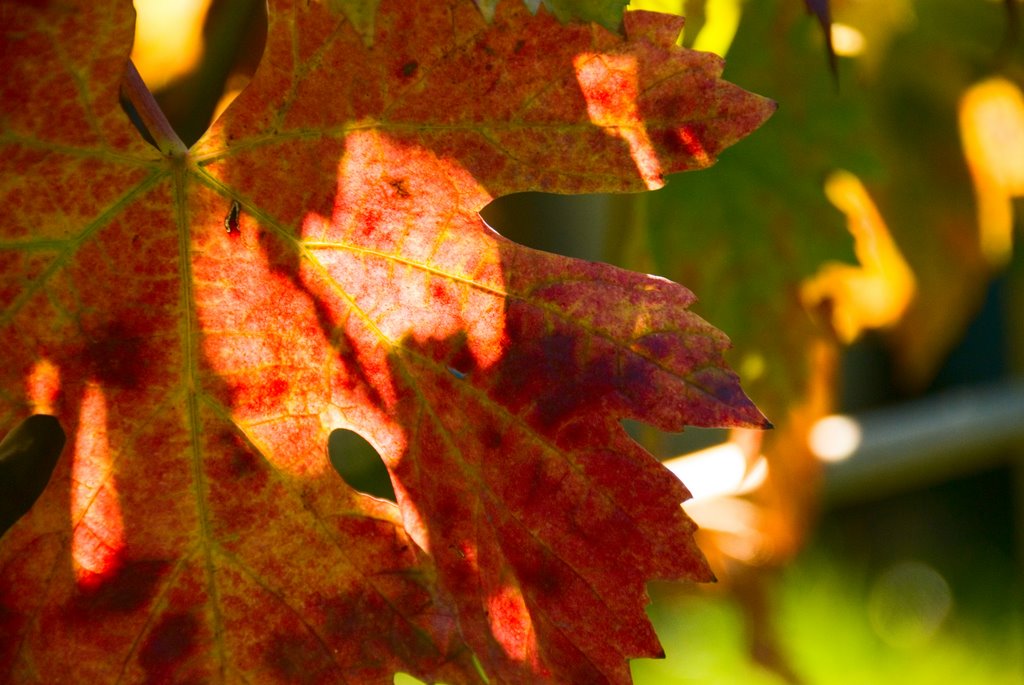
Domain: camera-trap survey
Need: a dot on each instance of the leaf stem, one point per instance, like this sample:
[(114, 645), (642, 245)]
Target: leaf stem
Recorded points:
[(151, 116)]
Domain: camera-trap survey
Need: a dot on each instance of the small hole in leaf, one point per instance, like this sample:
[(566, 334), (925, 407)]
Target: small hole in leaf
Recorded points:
[(28, 455), (359, 464), (572, 226)]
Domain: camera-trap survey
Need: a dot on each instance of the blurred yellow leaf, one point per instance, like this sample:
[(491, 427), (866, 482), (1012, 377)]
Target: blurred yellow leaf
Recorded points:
[(721, 20), (992, 132), (874, 294), (163, 55)]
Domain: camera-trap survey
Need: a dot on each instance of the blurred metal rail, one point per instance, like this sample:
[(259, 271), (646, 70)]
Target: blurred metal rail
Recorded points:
[(926, 441)]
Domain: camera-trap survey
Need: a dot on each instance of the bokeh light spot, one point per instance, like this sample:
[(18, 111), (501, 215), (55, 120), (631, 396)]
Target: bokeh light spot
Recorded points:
[(835, 438), (908, 604)]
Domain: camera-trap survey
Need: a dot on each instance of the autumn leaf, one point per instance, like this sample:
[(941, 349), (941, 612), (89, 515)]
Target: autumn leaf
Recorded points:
[(201, 320)]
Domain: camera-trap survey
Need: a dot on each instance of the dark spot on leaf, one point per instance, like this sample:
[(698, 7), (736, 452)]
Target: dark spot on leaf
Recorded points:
[(721, 385), (539, 572), (346, 616), (656, 345), (557, 351), (410, 68), (298, 659), (490, 437), (11, 625), (120, 357), (598, 377), (448, 510), (167, 645), (635, 376), (243, 463), (356, 619), (237, 465)]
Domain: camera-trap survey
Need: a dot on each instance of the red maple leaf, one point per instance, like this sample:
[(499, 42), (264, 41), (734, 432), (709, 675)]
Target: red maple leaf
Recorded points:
[(200, 321)]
